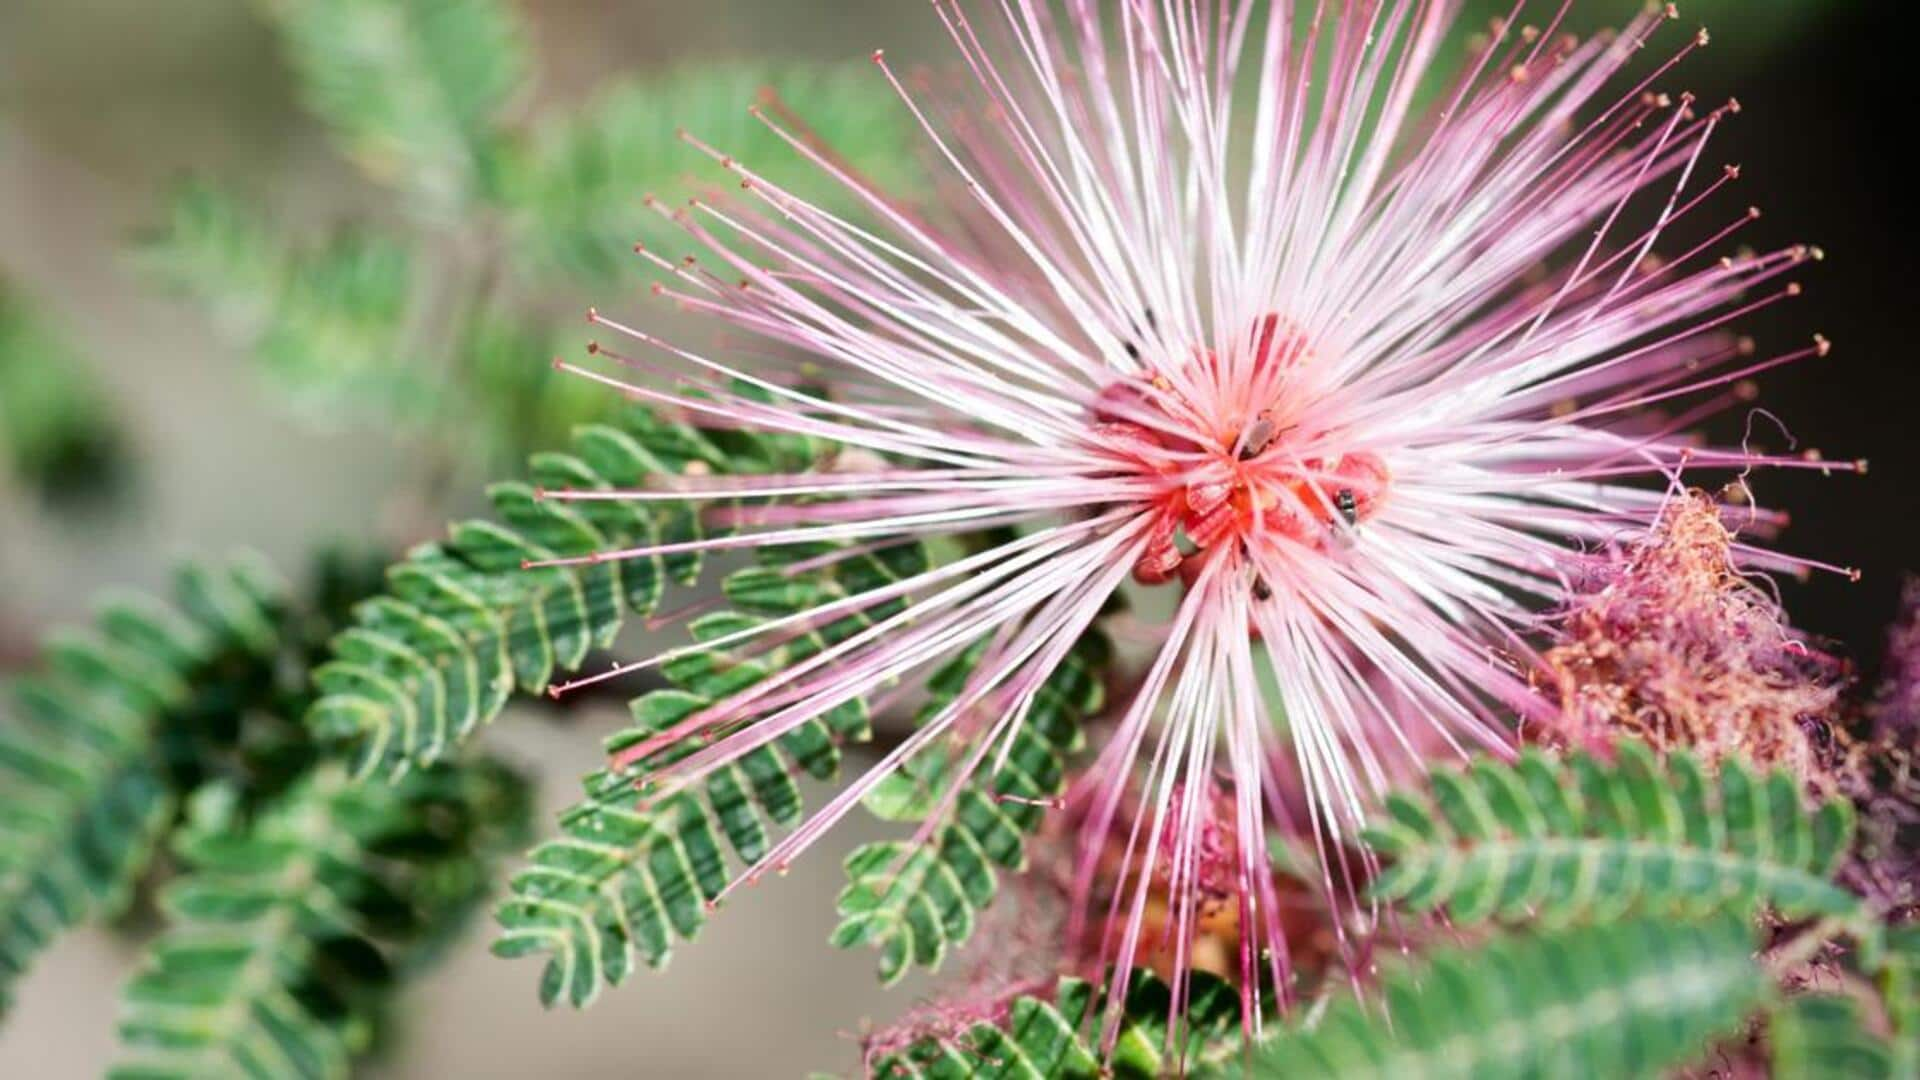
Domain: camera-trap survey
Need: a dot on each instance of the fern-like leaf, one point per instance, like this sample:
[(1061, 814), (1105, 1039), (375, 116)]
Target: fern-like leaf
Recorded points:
[(1057, 1037), (413, 89), (625, 882), (83, 761), (1582, 838), (1620, 999), (463, 622), (288, 928), (916, 904)]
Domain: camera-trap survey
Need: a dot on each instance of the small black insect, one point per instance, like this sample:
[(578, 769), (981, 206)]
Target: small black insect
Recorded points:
[(1349, 508), (1819, 731), (1262, 590)]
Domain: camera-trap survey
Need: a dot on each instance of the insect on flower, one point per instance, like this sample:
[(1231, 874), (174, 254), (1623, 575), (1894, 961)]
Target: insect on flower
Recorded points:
[(1220, 301)]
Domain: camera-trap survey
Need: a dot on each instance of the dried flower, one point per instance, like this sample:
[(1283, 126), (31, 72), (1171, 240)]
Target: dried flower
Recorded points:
[(1218, 301), (1883, 774), (1673, 645)]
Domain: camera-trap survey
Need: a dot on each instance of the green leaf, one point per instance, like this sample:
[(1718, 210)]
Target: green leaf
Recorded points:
[(507, 394), (916, 905), (1058, 1036), (464, 621), (1900, 988), (627, 877), (1817, 1037), (1632, 999), (325, 322), (92, 747), (1583, 839), (413, 89), (287, 930)]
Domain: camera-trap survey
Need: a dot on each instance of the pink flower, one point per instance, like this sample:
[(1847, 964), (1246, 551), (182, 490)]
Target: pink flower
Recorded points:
[(1217, 299)]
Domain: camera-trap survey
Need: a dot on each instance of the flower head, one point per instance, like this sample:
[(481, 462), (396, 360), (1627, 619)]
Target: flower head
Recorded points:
[(1250, 299), (1670, 644)]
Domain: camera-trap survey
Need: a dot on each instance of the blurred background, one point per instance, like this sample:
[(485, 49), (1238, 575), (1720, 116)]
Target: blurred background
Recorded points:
[(242, 306)]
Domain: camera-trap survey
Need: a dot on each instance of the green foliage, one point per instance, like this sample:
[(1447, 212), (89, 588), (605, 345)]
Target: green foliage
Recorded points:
[(1630, 994), (56, 434), (412, 89), (289, 927), (463, 622), (1582, 838), (306, 896), (1900, 990), (1818, 1037), (1060, 1036), (441, 319), (89, 760), (1627, 998), (1620, 999), (916, 903), (627, 878), (509, 397), (577, 191), (325, 320)]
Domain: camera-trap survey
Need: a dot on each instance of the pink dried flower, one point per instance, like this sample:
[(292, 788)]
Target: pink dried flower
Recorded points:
[(1895, 709), (1673, 645), (1219, 302), (1884, 773)]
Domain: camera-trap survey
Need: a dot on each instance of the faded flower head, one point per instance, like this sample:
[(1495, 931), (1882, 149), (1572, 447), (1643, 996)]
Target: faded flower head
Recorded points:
[(1253, 301), (1673, 645)]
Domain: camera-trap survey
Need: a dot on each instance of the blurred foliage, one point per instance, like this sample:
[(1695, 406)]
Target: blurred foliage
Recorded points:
[(57, 438), (324, 319), (576, 188), (292, 928), (439, 321), (167, 734), (413, 90), (1635, 998)]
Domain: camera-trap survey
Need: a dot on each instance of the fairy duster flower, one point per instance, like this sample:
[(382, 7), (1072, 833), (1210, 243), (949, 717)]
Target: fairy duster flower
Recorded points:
[(1254, 301)]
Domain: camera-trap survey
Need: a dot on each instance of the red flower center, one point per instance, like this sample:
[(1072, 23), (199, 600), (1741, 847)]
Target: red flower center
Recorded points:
[(1245, 485)]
